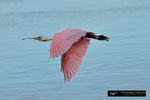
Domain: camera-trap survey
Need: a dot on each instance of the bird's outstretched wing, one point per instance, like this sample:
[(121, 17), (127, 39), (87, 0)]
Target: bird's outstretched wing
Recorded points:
[(64, 39), (71, 60)]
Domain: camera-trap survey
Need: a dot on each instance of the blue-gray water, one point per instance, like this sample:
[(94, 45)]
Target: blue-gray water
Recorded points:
[(26, 73)]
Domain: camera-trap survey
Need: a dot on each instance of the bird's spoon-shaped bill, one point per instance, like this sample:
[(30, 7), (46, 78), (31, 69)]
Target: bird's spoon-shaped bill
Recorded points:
[(37, 38)]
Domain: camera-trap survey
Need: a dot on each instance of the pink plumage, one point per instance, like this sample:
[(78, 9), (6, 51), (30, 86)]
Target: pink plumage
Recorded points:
[(71, 45), (64, 39), (71, 60)]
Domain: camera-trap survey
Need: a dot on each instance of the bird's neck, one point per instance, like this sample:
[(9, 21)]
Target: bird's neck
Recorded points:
[(47, 38)]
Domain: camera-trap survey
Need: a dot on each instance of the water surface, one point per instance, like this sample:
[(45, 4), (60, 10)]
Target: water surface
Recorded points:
[(123, 63)]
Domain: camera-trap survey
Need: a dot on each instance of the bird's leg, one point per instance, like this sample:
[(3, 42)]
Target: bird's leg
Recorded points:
[(100, 37)]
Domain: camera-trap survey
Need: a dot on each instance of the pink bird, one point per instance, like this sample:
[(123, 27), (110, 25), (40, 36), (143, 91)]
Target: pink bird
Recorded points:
[(72, 45)]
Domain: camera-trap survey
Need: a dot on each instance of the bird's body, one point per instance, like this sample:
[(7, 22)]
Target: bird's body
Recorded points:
[(64, 39), (71, 45)]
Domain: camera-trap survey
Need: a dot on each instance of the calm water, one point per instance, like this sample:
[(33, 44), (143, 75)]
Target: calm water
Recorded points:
[(26, 73)]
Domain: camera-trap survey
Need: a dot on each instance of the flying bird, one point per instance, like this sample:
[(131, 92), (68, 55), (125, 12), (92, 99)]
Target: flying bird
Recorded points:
[(71, 45)]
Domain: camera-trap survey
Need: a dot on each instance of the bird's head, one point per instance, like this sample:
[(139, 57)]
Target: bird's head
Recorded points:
[(40, 38)]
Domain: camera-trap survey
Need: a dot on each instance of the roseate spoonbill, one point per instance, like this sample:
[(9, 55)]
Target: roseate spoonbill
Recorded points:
[(71, 44)]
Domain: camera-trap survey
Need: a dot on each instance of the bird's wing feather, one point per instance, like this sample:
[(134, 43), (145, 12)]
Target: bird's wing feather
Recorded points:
[(63, 40), (71, 60)]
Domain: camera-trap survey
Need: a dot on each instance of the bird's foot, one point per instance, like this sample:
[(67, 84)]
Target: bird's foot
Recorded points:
[(102, 37)]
